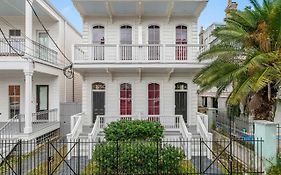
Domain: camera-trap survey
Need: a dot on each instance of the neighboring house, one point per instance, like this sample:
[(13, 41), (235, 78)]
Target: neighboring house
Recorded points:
[(209, 98), (137, 60), (32, 84)]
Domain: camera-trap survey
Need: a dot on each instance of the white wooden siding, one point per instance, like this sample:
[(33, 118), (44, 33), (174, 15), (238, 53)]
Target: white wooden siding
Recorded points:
[(140, 97)]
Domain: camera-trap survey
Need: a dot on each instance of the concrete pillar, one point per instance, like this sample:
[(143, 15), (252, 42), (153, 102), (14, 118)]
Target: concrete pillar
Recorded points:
[(28, 73), (28, 27), (266, 131), (140, 35), (212, 113)]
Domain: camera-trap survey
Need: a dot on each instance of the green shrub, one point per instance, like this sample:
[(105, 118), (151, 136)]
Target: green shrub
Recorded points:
[(138, 157), (134, 130)]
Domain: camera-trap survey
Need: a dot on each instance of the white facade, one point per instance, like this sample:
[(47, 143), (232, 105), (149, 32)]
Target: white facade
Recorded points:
[(141, 61), (33, 83)]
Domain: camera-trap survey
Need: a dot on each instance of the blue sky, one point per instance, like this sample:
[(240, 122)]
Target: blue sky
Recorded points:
[(214, 12)]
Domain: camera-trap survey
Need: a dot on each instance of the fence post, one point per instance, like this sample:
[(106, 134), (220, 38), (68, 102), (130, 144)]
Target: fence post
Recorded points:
[(48, 155), (200, 155), (266, 131), (157, 166), (78, 157), (117, 152), (20, 155)]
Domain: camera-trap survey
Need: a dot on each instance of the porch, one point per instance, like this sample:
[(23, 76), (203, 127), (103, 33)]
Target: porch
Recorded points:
[(175, 129), (37, 52), (42, 123), (136, 53)]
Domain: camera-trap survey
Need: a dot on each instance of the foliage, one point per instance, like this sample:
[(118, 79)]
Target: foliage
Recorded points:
[(275, 169), (134, 130), (138, 157), (247, 57)]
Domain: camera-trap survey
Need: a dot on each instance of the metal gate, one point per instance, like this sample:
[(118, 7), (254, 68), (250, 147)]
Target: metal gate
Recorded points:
[(72, 158)]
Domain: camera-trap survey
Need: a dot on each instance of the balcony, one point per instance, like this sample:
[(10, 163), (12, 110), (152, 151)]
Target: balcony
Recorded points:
[(40, 52), (145, 53)]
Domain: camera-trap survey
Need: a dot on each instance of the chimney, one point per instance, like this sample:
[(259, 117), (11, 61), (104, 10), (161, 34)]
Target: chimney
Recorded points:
[(230, 6)]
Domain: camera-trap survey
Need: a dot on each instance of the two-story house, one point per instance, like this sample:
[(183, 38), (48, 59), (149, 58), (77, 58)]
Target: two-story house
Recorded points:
[(137, 60), (32, 82)]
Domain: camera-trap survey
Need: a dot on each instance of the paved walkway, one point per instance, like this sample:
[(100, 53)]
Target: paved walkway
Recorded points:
[(205, 163)]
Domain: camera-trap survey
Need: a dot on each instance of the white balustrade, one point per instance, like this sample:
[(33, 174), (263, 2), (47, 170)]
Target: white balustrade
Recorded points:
[(136, 53)]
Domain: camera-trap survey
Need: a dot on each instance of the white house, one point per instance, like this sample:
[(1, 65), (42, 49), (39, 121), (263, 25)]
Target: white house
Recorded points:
[(32, 83), (137, 60)]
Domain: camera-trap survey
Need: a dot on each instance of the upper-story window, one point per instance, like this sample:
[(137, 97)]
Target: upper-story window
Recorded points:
[(181, 41), (181, 34), (126, 41), (14, 33), (98, 35), (153, 41), (98, 41)]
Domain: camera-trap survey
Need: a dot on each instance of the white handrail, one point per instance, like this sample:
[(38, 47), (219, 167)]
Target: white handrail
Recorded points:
[(187, 136), (76, 126), (202, 129), (93, 135), (8, 131)]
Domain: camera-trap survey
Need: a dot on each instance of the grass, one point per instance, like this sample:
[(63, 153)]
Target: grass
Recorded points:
[(43, 167)]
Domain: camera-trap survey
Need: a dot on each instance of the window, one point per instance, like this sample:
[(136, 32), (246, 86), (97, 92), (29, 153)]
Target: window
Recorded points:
[(98, 86), (97, 52), (14, 100), (14, 33), (98, 35), (43, 39), (215, 102), (181, 87), (125, 99), (126, 41), (154, 41), (205, 101), (181, 41), (153, 99)]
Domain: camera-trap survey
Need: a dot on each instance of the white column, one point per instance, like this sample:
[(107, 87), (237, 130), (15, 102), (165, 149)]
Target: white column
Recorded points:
[(28, 27), (140, 35), (28, 73)]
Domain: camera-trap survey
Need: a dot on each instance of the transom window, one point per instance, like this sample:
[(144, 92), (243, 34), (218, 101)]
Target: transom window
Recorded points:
[(125, 99), (153, 99), (181, 87), (98, 86)]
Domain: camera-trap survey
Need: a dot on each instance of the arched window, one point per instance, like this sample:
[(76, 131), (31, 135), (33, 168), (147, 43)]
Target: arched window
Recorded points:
[(153, 99), (154, 41), (181, 86), (98, 86), (98, 35), (181, 41), (126, 41), (126, 35), (181, 34), (97, 51), (125, 99)]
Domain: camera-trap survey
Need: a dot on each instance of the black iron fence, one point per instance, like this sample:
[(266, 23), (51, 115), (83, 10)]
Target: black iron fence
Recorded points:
[(138, 157), (279, 138)]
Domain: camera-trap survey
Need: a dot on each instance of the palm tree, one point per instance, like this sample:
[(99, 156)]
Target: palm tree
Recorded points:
[(248, 58)]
